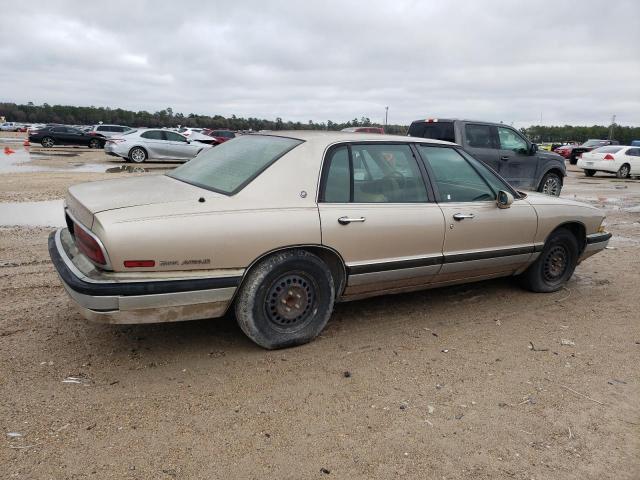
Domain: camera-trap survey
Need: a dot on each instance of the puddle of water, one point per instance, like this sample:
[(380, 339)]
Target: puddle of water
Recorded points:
[(18, 161), (49, 213), (52, 154)]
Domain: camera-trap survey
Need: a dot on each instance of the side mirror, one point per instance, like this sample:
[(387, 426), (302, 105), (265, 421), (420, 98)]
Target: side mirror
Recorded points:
[(534, 148), (504, 200)]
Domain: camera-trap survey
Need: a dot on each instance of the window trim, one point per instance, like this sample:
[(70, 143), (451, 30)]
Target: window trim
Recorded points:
[(325, 173)]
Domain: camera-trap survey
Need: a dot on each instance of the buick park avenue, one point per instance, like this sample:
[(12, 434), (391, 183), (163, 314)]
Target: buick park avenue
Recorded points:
[(279, 227)]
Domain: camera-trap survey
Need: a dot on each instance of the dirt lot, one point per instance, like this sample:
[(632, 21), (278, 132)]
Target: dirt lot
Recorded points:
[(436, 384)]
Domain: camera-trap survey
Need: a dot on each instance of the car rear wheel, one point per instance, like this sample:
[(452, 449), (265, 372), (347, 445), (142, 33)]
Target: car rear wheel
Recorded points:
[(551, 184), (623, 171), (589, 173), (137, 155), (95, 143), (47, 142), (555, 265), (286, 299), (573, 159)]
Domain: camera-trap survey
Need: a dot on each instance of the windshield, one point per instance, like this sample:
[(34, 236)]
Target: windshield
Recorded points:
[(229, 167), (594, 143)]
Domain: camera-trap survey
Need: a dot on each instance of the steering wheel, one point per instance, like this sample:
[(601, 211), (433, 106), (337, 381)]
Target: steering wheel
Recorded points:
[(484, 196)]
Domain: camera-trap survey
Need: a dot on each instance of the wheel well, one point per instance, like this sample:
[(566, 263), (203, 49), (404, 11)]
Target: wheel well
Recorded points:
[(552, 170), (578, 230), (329, 256)]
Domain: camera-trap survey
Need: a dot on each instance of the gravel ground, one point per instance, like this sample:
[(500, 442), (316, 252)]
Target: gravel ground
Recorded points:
[(481, 381)]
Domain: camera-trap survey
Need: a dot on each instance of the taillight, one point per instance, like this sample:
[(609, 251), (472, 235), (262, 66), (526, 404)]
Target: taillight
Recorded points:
[(608, 156), (89, 246)]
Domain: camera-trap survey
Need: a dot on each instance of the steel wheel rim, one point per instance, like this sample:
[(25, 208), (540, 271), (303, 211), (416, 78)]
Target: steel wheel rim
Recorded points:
[(551, 187), (290, 301), (137, 155), (555, 264)]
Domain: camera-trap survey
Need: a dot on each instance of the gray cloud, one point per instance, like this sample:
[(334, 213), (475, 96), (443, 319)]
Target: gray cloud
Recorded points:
[(569, 62)]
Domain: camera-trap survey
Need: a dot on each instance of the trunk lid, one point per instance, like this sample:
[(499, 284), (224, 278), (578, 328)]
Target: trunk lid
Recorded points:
[(86, 199)]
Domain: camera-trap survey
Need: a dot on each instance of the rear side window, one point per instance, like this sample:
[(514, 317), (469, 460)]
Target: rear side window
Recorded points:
[(435, 130), (373, 173), (456, 179), (479, 136), (153, 135)]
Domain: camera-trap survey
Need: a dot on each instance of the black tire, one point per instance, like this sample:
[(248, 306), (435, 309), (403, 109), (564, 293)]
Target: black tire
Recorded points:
[(47, 142), (286, 299), (137, 155), (555, 265), (95, 143), (551, 184), (624, 171), (573, 159), (589, 173)]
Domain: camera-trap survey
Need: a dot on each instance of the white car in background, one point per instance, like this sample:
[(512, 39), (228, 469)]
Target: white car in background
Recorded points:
[(10, 127), (622, 160), (154, 145), (186, 131)]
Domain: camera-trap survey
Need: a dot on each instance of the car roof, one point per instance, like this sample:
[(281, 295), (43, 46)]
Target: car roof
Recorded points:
[(467, 120), (333, 137)]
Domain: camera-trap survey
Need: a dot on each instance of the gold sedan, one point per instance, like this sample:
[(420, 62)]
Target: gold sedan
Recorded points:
[(282, 226)]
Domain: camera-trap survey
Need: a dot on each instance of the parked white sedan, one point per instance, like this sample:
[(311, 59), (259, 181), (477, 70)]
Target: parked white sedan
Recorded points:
[(154, 145), (621, 160)]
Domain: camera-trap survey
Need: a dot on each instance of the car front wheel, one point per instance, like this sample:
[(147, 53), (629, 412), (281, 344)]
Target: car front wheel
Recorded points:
[(555, 265), (47, 142), (286, 299), (137, 155), (551, 184)]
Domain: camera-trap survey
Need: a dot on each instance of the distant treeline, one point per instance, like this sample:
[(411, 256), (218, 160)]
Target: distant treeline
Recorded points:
[(540, 133), (71, 115)]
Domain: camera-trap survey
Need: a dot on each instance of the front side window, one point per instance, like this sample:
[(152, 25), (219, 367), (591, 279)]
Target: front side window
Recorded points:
[(174, 137), (373, 173), (153, 135), (455, 178), (510, 140), (479, 136), (232, 165)]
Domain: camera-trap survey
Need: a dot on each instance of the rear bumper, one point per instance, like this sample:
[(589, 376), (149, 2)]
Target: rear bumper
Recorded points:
[(599, 165), (140, 301), (596, 242)]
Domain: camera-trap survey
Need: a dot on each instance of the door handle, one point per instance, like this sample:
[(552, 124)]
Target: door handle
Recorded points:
[(504, 158), (462, 216), (348, 220)]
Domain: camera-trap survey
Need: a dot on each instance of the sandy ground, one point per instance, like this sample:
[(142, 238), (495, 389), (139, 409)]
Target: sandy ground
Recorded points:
[(439, 384)]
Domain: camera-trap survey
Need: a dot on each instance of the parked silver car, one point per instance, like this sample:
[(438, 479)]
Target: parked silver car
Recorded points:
[(153, 145)]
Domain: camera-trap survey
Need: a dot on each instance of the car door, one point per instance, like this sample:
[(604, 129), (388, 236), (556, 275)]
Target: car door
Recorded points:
[(376, 212), (480, 240), (179, 148), (154, 143), (75, 137), (633, 158), (517, 164), (481, 141)]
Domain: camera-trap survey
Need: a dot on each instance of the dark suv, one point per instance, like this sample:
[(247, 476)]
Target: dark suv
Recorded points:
[(502, 148)]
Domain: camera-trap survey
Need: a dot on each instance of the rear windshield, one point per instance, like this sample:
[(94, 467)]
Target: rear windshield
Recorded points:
[(436, 130), (594, 143), (231, 165), (608, 149)]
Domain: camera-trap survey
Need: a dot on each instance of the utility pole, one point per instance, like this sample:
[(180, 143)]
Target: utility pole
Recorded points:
[(613, 124), (386, 116)]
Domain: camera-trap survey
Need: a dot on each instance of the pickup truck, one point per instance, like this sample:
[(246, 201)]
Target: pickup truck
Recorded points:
[(502, 148)]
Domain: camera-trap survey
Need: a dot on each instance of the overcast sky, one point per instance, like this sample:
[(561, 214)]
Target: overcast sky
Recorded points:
[(575, 62)]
